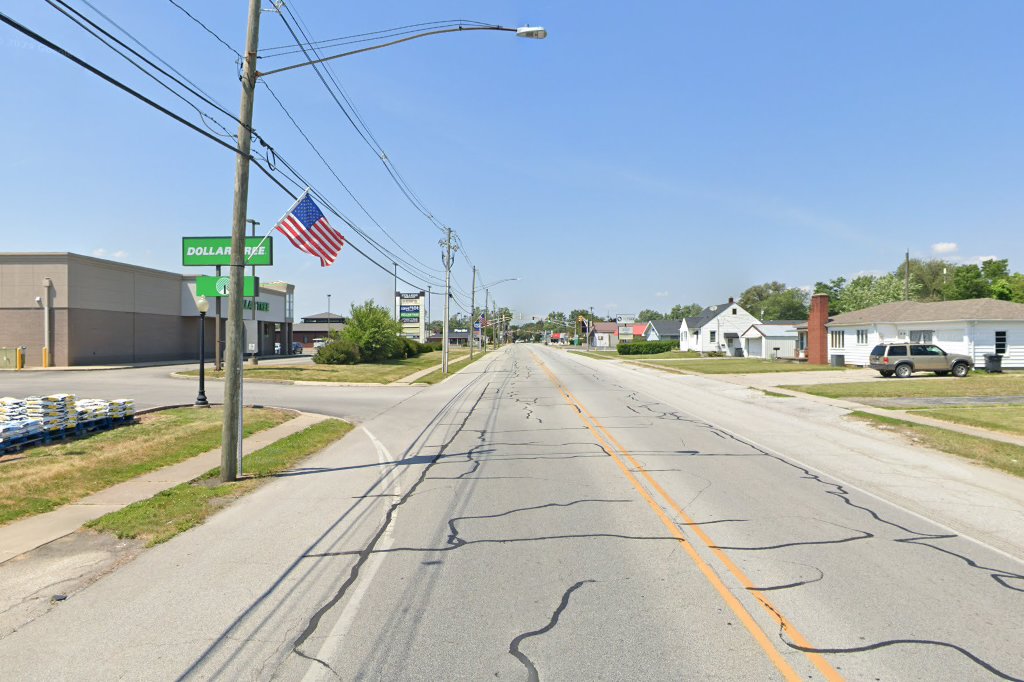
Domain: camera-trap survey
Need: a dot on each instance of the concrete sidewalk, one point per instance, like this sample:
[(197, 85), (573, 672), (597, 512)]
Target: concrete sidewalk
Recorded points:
[(26, 534)]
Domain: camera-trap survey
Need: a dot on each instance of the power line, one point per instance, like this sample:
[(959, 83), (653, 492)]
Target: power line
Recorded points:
[(282, 50), (134, 93), (409, 267)]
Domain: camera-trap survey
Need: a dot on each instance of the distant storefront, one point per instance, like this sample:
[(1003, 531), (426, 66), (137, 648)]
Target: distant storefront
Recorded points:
[(90, 311)]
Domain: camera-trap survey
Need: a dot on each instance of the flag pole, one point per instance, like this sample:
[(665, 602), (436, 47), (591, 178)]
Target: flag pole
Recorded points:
[(267, 235)]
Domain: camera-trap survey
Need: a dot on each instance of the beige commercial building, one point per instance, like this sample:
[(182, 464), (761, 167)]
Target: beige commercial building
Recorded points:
[(90, 311)]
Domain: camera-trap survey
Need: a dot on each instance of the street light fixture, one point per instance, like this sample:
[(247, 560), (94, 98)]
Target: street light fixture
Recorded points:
[(204, 307), (231, 441)]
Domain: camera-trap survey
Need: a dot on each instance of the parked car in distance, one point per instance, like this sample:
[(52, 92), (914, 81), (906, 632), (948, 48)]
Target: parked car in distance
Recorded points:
[(319, 343), (296, 348), (903, 359)]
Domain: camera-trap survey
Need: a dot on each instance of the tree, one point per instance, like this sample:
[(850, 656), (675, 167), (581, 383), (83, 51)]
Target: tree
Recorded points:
[(968, 281), (753, 298), (931, 275), (646, 315), (1010, 288), (790, 304), (775, 301), (867, 290), (373, 330), (678, 312)]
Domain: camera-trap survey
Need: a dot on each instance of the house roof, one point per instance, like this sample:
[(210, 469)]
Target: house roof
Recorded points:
[(606, 327), (317, 327), (638, 329), (938, 311), (334, 317), (772, 329), (708, 314), (666, 327)]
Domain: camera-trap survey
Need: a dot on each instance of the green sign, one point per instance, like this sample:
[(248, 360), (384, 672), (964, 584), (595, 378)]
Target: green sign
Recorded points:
[(217, 251), (216, 287), (261, 306)]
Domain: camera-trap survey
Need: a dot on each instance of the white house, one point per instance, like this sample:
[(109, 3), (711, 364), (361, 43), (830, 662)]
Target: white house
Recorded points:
[(716, 329), (974, 327), (771, 340)]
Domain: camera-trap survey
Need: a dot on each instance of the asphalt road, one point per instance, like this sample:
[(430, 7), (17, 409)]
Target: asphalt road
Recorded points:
[(541, 516)]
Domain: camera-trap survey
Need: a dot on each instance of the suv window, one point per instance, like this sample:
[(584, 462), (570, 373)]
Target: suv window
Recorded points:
[(897, 350), (878, 350)]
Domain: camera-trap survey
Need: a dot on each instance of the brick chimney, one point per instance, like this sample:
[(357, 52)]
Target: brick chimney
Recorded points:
[(731, 301), (817, 334)]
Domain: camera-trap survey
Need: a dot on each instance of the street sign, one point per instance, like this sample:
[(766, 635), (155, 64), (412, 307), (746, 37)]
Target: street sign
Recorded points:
[(217, 251), (217, 287)]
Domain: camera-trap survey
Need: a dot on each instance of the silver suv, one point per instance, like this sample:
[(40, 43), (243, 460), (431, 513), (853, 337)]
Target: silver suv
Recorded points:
[(903, 359)]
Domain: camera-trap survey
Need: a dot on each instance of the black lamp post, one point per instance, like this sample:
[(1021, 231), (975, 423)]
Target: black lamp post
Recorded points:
[(204, 306)]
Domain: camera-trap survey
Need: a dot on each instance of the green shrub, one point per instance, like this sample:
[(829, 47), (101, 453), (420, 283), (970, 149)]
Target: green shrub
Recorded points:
[(375, 332), (338, 352), (646, 347), (412, 347), (425, 348)]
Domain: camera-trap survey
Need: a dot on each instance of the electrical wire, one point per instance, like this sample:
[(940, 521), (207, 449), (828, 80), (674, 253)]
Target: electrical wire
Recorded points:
[(282, 50), (21, 28), (271, 154)]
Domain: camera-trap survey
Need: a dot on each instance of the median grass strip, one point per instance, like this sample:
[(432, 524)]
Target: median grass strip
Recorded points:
[(365, 373), (975, 384), (436, 376), (731, 365), (184, 506), (48, 477), (995, 454), (1005, 418)]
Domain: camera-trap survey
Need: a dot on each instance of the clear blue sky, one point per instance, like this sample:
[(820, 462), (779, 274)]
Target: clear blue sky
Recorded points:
[(645, 154)]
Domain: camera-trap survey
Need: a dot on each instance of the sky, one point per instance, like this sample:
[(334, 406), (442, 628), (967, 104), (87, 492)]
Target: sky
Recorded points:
[(642, 155)]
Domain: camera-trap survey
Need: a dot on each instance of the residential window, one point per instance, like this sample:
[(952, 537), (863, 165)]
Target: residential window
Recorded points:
[(733, 311), (838, 338), (1000, 343), (921, 336), (862, 337), (711, 336)]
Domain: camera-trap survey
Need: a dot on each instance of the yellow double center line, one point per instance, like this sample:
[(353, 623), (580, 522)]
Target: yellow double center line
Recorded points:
[(618, 453)]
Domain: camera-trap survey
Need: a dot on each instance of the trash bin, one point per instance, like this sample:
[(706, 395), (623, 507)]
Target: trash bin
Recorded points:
[(993, 363), (838, 361)]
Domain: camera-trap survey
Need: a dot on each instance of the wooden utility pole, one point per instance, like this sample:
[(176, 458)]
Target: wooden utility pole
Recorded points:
[(472, 316), (906, 278), (449, 248), (231, 441)]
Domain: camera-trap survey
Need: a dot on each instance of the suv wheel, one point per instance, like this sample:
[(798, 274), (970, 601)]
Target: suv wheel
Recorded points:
[(885, 373), (903, 371), (960, 369)]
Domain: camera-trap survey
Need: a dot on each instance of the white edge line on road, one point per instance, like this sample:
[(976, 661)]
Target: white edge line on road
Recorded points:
[(837, 479), (366, 575)]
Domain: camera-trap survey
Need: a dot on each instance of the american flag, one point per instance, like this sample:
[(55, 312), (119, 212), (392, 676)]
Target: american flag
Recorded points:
[(308, 230)]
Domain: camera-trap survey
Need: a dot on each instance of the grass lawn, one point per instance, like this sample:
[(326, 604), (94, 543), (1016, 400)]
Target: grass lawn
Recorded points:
[(454, 365), (975, 384), (366, 373), (1006, 418), (177, 509), (1003, 456), (731, 365), (51, 476), (598, 354)]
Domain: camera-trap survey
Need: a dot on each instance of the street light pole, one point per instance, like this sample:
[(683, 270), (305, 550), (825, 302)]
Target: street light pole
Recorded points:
[(203, 305), (233, 376), (328, 316)]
